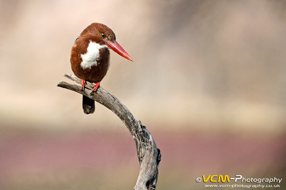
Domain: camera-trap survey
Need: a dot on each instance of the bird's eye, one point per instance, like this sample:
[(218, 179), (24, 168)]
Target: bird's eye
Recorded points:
[(103, 35)]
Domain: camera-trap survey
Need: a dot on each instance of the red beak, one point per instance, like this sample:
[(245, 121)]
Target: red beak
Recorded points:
[(118, 49)]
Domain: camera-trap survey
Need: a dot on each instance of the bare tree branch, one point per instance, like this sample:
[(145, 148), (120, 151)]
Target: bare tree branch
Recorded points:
[(149, 155)]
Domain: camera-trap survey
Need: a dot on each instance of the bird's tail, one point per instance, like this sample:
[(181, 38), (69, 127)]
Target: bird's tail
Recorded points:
[(87, 105)]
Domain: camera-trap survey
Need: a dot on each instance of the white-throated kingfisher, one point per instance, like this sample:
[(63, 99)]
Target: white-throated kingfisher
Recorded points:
[(90, 57)]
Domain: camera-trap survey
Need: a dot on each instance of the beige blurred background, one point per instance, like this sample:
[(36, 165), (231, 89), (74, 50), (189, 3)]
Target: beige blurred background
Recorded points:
[(210, 64), (214, 67)]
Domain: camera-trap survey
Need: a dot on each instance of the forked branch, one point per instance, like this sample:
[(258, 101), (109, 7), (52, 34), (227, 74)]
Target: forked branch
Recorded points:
[(149, 155)]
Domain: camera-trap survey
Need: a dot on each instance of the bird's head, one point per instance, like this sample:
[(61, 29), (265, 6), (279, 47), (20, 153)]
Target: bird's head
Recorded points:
[(103, 35)]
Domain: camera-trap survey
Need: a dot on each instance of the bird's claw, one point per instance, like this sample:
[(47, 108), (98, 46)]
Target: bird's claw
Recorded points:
[(82, 84), (96, 86)]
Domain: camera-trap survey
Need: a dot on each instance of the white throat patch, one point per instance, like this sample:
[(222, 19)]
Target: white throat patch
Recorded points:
[(91, 57)]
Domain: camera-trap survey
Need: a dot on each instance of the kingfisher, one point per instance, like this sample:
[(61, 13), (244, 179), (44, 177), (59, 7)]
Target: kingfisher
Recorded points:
[(90, 57)]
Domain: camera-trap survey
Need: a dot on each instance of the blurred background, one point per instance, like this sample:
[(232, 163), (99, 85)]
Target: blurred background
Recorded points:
[(208, 80)]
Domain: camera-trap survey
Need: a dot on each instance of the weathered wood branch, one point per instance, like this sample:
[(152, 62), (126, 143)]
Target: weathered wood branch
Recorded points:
[(149, 155)]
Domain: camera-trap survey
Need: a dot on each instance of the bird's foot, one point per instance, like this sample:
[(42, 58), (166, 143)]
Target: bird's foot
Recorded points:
[(82, 84), (95, 87)]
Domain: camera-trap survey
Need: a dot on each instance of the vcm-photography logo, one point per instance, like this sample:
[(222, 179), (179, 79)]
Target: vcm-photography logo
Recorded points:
[(215, 179)]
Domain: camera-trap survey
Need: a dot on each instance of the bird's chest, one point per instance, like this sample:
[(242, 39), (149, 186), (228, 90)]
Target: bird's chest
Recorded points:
[(93, 56)]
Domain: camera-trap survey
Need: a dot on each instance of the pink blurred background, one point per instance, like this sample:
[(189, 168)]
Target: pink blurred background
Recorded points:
[(208, 80)]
